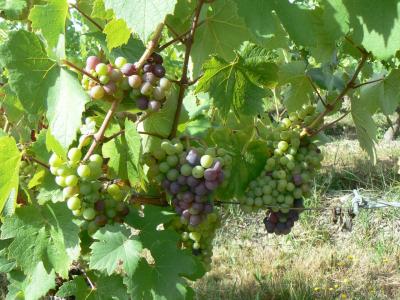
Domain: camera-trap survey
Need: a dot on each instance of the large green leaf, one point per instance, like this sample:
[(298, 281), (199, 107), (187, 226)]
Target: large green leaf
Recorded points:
[(33, 286), (212, 37), (115, 250), (10, 158), (142, 16), (300, 89), (366, 128), (31, 72), (66, 102), (117, 33), (42, 234), (136, 174), (13, 9), (383, 95), (231, 87), (49, 19)]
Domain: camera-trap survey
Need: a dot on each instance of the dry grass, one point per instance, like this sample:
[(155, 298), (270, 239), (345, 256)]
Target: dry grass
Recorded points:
[(319, 259)]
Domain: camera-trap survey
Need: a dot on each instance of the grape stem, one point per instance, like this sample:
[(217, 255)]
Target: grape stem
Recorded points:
[(316, 91), (142, 200), (117, 134), (39, 162), (184, 79), (329, 125), (99, 136), (87, 16), (349, 86), (75, 67), (368, 82)]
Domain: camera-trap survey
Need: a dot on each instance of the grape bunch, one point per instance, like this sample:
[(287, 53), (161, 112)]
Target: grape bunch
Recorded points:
[(282, 223), (84, 193), (288, 175), (198, 239), (147, 86), (190, 176)]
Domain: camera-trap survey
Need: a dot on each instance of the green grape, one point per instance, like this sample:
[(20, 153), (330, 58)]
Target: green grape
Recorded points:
[(164, 167), (77, 212), (104, 79), (172, 160), (60, 180), (114, 191), (198, 172), (102, 69), (85, 188), (96, 158), (206, 161), (55, 161), (111, 213), (97, 92), (83, 171), (74, 203), (71, 180), (172, 174), (89, 214), (120, 62), (70, 191), (186, 170), (75, 154)]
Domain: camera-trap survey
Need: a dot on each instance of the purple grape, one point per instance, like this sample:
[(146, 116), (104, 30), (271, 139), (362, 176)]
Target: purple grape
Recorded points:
[(92, 62), (110, 88), (149, 77), (211, 185), (188, 197), (178, 210), (297, 180), (154, 105), (221, 177), (142, 103), (192, 182), (290, 223), (184, 205), (210, 174), (166, 184), (270, 227), (273, 218), (217, 166), (156, 58), (186, 214), (148, 68), (101, 220), (99, 205), (193, 157), (208, 208), (159, 71), (198, 206), (201, 189), (195, 220), (182, 179), (174, 188), (128, 69)]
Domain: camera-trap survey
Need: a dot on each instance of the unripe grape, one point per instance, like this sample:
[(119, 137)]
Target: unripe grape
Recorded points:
[(115, 75), (120, 62), (198, 172), (97, 92), (206, 161), (89, 214), (128, 69), (75, 154), (158, 93), (74, 203), (172, 174), (154, 105), (146, 89), (85, 188), (101, 69), (186, 170), (71, 180), (77, 212), (104, 79), (172, 160), (165, 84), (83, 171), (60, 180), (70, 191), (124, 84), (97, 159), (149, 77), (135, 81), (92, 62)]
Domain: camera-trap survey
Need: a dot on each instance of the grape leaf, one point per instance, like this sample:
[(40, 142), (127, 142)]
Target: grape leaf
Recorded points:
[(6, 265), (117, 33), (115, 250), (54, 146), (10, 158), (11, 105), (212, 37), (76, 287), (50, 20), (39, 149), (148, 219), (13, 9), (33, 286), (383, 95), (110, 287), (135, 170), (365, 127), (31, 72), (230, 87), (49, 190), (181, 19), (142, 16), (376, 27), (248, 160), (300, 91), (66, 102), (42, 233), (99, 10)]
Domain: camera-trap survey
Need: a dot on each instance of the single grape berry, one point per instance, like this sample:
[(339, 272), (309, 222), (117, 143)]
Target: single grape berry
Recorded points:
[(156, 58), (159, 71), (120, 62), (148, 68), (97, 92), (128, 69), (154, 105), (135, 81), (92, 62), (142, 103)]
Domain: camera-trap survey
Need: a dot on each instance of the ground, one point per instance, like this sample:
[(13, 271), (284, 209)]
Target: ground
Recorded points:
[(319, 259)]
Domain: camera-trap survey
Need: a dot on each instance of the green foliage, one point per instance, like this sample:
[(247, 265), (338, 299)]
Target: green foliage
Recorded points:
[(236, 68)]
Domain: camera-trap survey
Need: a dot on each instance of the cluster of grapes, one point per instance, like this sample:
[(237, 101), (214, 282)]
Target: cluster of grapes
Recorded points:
[(288, 173), (83, 191), (147, 86), (27, 170), (282, 223), (198, 239), (190, 176)]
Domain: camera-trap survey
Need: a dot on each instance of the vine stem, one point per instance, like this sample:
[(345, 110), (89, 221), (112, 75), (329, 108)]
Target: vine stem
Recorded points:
[(349, 86), (99, 136), (87, 16), (184, 79), (332, 123), (75, 67), (368, 82), (39, 162)]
